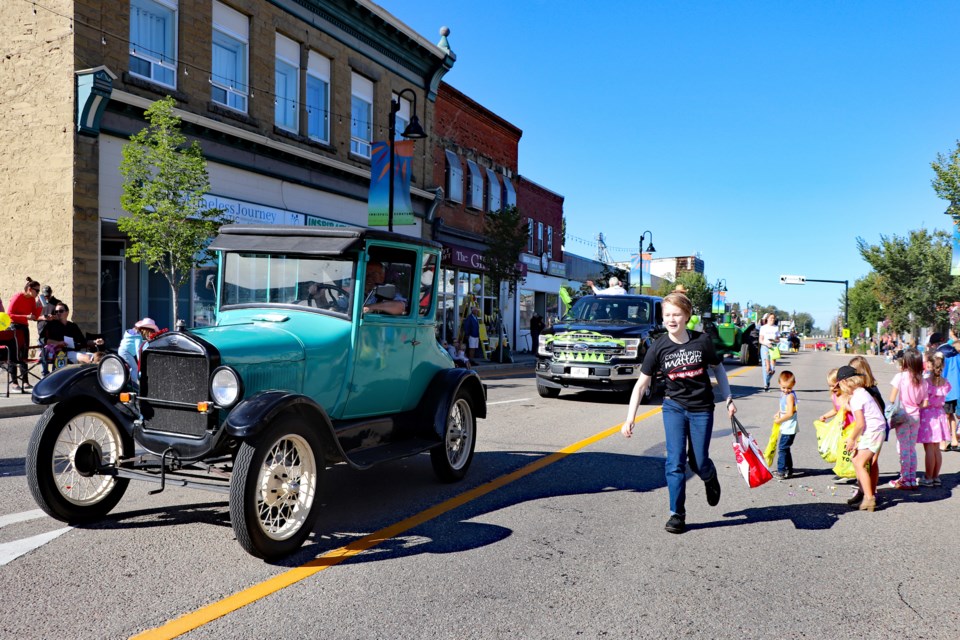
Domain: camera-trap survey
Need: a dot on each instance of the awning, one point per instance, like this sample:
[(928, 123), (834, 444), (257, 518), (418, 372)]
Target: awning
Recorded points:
[(493, 191), (476, 186), (509, 193), (323, 241)]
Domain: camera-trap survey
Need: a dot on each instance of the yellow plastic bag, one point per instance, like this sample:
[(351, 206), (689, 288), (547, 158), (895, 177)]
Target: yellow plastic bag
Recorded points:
[(771, 449), (844, 467), (774, 353), (828, 436)]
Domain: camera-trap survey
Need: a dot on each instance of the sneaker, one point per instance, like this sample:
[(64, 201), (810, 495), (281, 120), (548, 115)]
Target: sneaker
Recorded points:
[(898, 484), (713, 491), (925, 482), (777, 475), (766, 388), (936, 481), (676, 524), (14, 386)]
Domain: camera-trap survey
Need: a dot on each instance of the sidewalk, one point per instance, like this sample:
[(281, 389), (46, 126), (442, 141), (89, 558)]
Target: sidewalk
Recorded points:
[(20, 404)]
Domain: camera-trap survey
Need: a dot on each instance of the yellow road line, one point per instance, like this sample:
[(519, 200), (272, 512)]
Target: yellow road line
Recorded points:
[(211, 612), (240, 599)]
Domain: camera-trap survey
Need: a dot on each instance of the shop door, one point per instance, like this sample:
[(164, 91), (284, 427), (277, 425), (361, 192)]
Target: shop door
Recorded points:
[(111, 299)]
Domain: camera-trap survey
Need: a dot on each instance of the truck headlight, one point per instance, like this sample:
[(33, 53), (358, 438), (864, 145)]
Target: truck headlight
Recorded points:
[(631, 347), (542, 347), (225, 387), (113, 374)]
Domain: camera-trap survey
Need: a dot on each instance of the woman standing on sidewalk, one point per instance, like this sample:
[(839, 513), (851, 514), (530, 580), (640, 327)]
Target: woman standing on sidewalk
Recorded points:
[(24, 307), (683, 356)]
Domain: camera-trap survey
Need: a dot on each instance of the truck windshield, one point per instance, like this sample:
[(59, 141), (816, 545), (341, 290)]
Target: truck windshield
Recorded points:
[(611, 309), (259, 278)]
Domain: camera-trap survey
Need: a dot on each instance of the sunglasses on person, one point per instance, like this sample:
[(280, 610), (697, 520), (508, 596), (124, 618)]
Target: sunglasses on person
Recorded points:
[(35, 290), (60, 310)]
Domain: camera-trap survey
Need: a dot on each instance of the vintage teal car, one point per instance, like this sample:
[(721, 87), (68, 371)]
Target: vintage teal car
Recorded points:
[(324, 351)]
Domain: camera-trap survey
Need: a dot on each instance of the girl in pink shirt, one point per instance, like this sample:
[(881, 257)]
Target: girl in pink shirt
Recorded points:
[(934, 427), (911, 388), (865, 437)]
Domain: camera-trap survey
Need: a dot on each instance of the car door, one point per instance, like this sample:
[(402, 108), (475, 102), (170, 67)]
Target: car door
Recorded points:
[(386, 338)]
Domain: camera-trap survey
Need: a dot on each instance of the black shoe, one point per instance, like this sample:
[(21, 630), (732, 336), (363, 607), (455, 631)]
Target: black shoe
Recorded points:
[(713, 491), (766, 388), (676, 524), (856, 499)]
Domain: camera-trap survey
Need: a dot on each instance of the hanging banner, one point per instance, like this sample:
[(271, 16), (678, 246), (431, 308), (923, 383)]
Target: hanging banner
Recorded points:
[(378, 207), (955, 263)]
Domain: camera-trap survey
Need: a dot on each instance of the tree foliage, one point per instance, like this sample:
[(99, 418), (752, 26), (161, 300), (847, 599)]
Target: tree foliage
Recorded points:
[(946, 182), (507, 235), (163, 183), (913, 277), (865, 307), (699, 292)]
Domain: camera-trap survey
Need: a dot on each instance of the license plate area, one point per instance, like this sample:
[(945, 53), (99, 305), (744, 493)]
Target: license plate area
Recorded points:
[(579, 372)]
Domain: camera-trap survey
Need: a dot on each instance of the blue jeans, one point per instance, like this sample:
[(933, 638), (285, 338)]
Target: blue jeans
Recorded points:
[(765, 364), (688, 442), (784, 459)]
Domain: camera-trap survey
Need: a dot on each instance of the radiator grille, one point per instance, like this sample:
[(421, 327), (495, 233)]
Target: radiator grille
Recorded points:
[(174, 377)]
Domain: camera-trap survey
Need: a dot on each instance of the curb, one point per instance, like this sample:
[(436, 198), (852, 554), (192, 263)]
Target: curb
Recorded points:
[(21, 410)]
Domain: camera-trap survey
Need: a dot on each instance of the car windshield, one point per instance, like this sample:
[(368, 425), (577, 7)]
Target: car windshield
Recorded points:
[(259, 278), (621, 309)]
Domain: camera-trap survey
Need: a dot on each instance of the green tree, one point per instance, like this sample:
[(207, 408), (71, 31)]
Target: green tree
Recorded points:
[(913, 277), (865, 307), (803, 322), (699, 292), (163, 183), (946, 182), (506, 232)]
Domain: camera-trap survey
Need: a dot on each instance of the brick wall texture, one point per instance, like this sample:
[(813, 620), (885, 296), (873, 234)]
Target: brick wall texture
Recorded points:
[(543, 205)]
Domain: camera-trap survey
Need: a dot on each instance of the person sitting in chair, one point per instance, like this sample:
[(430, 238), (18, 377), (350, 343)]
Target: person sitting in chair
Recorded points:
[(63, 335)]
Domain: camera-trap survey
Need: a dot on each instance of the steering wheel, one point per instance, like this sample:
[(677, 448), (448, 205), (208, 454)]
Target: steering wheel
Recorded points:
[(331, 293)]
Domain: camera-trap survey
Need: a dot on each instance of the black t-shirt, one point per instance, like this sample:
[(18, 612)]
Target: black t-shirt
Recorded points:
[(56, 331), (685, 368)]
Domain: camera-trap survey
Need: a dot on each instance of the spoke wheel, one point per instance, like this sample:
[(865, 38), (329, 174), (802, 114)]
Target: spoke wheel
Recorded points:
[(452, 458), (66, 451), (274, 488)]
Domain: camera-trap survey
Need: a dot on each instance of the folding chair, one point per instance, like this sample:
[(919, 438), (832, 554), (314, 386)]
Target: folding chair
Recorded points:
[(6, 344)]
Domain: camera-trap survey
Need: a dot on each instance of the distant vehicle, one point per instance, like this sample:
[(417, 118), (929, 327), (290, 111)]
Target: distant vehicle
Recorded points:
[(307, 366), (598, 344), (729, 339)]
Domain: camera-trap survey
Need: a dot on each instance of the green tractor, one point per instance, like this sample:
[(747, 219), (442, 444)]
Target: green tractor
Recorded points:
[(732, 339)]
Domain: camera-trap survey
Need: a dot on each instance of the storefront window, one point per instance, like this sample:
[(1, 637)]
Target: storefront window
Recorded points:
[(551, 300), (525, 299), (204, 295)]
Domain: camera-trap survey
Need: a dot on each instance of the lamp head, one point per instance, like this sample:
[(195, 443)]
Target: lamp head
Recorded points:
[(414, 131), (650, 248)]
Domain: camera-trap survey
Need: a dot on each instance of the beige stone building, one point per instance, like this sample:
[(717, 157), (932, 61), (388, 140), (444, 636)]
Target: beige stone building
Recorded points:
[(284, 96)]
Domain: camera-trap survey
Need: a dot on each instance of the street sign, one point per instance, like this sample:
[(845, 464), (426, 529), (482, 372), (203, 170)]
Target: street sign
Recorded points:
[(793, 280)]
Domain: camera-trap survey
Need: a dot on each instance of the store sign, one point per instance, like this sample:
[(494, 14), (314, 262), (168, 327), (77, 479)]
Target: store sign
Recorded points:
[(241, 212), (317, 221), (558, 269), (532, 262), (463, 257)]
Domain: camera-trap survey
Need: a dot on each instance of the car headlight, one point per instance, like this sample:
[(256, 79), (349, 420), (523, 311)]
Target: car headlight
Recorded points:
[(113, 374), (542, 347), (225, 387), (631, 347)]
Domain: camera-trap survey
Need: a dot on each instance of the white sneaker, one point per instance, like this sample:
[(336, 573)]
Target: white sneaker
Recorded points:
[(925, 482)]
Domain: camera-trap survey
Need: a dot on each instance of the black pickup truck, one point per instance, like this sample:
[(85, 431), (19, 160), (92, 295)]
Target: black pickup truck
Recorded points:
[(598, 344)]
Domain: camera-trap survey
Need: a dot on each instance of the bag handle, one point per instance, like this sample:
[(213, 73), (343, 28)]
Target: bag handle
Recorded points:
[(738, 427)]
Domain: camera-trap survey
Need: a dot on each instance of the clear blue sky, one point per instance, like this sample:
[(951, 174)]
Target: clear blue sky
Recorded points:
[(767, 136)]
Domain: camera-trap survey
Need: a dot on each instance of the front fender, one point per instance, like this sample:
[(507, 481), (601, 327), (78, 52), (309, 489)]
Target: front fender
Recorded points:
[(440, 394), (80, 384)]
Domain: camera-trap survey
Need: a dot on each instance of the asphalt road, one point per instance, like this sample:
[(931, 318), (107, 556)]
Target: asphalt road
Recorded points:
[(556, 533)]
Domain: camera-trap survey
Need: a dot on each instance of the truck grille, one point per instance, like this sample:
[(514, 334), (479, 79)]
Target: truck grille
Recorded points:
[(169, 376), (587, 347)]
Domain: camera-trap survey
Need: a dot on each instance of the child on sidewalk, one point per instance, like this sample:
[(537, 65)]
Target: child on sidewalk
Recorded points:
[(865, 438), (911, 388), (837, 399), (786, 417), (934, 427)]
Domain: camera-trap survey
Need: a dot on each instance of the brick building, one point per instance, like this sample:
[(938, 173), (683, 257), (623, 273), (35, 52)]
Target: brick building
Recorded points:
[(284, 96)]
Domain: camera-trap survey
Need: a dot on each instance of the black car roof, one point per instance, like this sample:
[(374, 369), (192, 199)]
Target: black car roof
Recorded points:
[(277, 238)]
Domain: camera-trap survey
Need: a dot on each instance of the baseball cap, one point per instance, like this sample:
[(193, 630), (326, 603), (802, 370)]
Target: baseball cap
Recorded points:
[(845, 372)]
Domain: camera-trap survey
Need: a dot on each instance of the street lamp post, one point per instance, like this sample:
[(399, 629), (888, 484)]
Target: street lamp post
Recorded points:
[(413, 131), (650, 249)]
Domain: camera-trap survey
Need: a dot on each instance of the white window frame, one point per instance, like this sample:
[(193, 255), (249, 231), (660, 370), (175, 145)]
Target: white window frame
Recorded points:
[(493, 192), (403, 117), (233, 26), (156, 59), (318, 70), (361, 95), (474, 186), (531, 226), (286, 112), (454, 177)]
